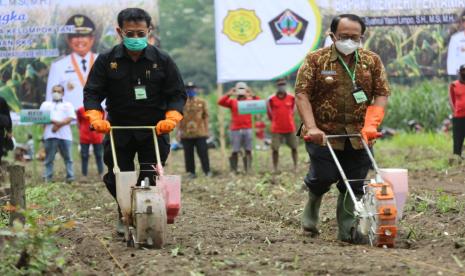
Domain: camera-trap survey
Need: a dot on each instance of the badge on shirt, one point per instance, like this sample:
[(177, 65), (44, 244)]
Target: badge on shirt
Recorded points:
[(328, 72), (359, 95), (140, 92), (329, 79)]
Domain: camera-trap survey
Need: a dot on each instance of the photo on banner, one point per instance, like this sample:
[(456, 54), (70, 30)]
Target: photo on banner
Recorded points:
[(49, 42)]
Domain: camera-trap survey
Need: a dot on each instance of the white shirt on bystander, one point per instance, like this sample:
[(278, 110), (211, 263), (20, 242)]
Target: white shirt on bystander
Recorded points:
[(59, 111)]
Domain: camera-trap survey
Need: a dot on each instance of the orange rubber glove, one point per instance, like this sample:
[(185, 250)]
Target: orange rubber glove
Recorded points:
[(97, 122), (373, 119), (172, 118)]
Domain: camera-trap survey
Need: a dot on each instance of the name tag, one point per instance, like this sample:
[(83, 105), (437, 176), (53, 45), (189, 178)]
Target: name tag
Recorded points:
[(328, 72), (140, 92), (360, 96)]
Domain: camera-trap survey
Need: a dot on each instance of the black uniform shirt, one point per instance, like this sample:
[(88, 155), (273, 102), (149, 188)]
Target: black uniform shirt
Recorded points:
[(115, 76)]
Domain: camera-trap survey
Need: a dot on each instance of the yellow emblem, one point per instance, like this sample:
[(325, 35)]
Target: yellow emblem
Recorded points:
[(113, 65), (78, 21), (242, 26)]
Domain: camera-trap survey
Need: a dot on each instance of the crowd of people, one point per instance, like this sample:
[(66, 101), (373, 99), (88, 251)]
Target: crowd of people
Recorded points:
[(340, 89)]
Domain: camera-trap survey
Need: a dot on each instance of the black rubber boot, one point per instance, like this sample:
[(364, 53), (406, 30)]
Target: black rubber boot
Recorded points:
[(310, 216), (247, 160), (119, 224), (233, 159)]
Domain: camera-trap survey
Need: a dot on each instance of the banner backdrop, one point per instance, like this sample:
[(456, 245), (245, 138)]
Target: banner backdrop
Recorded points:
[(265, 39), (42, 36)]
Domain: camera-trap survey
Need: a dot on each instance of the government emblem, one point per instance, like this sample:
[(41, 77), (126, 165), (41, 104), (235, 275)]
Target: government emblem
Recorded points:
[(288, 28), (242, 26)]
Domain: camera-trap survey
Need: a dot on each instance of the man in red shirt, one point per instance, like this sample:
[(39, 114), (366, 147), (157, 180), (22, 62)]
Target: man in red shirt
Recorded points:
[(87, 138), (281, 113), (457, 104), (241, 125)]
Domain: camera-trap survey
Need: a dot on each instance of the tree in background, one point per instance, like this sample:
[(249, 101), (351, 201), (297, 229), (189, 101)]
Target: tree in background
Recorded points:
[(187, 33)]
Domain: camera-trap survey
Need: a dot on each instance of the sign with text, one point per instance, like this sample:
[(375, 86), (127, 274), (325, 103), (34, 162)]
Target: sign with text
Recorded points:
[(252, 107), (35, 116), (49, 42)]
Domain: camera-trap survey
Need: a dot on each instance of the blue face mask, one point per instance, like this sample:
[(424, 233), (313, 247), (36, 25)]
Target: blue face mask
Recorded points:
[(191, 93), (135, 43)]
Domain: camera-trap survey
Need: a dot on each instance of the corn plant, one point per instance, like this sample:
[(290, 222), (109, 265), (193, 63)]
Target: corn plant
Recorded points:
[(426, 102)]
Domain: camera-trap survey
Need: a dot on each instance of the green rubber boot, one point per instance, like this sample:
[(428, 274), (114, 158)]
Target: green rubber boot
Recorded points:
[(345, 217), (346, 221), (310, 216)]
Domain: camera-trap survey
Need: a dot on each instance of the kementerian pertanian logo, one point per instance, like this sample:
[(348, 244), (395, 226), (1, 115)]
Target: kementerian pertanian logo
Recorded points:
[(242, 26), (288, 28)]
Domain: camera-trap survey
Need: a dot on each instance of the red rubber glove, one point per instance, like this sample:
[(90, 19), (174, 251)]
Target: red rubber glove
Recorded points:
[(172, 119), (97, 122), (373, 118)]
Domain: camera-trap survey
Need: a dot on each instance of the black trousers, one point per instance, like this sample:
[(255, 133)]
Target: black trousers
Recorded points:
[(2, 143), (323, 171), (458, 133), (127, 144), (202, 151)]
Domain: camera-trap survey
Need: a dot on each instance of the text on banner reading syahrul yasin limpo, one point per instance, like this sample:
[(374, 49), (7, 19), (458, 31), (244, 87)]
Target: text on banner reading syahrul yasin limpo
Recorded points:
[(410, 20)]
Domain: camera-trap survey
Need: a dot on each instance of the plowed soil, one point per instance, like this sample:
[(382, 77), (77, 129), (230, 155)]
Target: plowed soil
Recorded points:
[(250, 224)]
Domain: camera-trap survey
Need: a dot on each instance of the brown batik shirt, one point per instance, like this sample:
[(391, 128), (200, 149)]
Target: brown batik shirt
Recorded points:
[(195, 121), (328, 86)]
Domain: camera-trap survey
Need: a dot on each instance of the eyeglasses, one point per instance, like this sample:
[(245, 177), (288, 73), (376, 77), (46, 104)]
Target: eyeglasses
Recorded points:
[(356, 38), (133, 34), (57, 91)]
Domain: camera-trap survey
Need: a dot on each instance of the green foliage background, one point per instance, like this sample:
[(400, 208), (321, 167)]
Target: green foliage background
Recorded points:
[(187, 32)]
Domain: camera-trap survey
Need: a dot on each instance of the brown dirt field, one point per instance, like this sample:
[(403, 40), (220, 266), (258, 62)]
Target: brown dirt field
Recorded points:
[(241, 225)]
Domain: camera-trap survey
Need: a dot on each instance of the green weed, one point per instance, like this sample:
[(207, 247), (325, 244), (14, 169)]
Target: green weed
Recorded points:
[(447, 203), (31, 248)]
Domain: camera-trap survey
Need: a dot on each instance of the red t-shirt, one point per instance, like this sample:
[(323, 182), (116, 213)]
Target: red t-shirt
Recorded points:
[(457, 98), (86, 136), (238, 121), (281, 113), (260, 129)]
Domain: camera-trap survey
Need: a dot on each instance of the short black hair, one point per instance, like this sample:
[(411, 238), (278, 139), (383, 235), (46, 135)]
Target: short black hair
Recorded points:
[(60, 86), (351, 17), (133, 15)]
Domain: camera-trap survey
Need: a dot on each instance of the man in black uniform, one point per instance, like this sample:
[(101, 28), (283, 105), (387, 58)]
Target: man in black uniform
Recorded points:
[(142, 87)]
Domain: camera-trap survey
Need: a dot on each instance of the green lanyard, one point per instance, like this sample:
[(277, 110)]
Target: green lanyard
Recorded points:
[(346, 67)]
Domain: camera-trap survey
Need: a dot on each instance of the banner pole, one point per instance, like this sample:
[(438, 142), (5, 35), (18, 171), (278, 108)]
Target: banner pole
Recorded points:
[(254, 163), (221, 126)]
